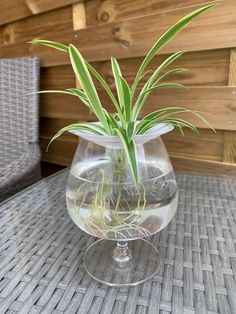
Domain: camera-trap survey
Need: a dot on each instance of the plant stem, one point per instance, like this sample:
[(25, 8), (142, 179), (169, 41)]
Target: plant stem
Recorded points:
[(122, 253)]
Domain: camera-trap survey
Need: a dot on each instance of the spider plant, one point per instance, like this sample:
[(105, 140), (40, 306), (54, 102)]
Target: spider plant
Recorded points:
[(125, 121)]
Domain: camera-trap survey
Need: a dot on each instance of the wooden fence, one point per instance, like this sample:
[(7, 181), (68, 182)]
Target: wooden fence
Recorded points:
[(126, 29)]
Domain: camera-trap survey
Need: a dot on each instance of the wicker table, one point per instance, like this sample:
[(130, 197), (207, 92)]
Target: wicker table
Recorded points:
[(41, 255)]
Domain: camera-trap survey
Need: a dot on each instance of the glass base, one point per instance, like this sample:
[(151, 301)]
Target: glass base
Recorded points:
[(140, 264)]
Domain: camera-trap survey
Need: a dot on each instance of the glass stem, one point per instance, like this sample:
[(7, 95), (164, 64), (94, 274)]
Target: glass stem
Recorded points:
[(122, 253)]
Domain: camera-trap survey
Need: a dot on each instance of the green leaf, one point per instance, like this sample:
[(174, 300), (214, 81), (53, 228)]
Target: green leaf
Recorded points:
[(113, 121), (158, 112), (81, 95), (127, 99), (149, 125), (92, 128), (127, 113), (173, 71), (161, 116), (106, 88), (199, 115), (107, 115), (82, 73), (69, 91), (130, 151), (184, 123), (49, 43), (78, 92), (130, 130), (149, 84), (168, 85), (117, 76), (161, 67), (146, 73), (178, 127), (52, 92), (165, 38)]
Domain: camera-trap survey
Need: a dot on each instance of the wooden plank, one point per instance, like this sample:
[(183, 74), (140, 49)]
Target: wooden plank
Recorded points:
[(103, 11), (219, 104), (48, 5), (36, 26), (18, 9), (134, 37), (48, 58), (79, 22), (203, 68), (50, 126), (232, 68), (193, 165), (61, 151), (59, 77), (79, 16), (229, 152), (207, 145), (13, 10), (62, 106)]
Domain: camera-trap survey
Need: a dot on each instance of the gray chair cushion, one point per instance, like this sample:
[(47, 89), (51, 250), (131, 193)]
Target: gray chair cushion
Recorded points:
[(19, 116)]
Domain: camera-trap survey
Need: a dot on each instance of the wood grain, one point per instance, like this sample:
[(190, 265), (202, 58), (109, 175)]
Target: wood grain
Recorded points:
[(134, 37), (193, 165), (48, 5), (14, 10), (50, 126), (60, 77), (203, 68), (79, 16), (104, 11), (63, 106), (232, 68), (36, 26), (61, 151), (127, 29), (229, 152), (218, 103), (207, 145), (79, 22)]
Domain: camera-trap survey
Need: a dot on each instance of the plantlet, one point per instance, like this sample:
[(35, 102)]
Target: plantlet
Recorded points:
[(125, 121)]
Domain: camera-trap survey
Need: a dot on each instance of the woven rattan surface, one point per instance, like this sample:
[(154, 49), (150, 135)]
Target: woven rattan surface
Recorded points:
[(19, 149), (41, 255)]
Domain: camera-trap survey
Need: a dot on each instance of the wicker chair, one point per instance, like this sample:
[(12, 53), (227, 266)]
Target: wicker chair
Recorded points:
[(19, 149)]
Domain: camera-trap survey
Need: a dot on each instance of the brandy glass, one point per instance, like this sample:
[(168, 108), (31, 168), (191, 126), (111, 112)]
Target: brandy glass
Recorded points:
[(104, 201)]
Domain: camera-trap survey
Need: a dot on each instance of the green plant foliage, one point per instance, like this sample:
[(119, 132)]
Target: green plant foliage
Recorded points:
[(124, 122)]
